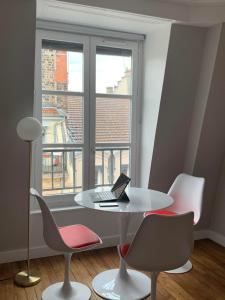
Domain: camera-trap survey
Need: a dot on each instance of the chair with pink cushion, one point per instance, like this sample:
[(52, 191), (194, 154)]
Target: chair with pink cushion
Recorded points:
[(187, 192), (68, 239), (161, 243)]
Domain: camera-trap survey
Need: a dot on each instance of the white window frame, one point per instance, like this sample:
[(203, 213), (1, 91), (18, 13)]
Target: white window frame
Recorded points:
[(89, 47), (122, 44)]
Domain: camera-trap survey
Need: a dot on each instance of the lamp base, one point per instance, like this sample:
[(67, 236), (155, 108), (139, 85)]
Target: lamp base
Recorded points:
[(25, 280)]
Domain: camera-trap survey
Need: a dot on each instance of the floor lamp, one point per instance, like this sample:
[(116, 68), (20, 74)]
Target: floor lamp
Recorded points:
[(28, 129)]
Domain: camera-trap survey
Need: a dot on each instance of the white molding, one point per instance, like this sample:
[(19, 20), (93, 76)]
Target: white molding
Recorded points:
[(52, 4), (216, 237), (45, 251), (46, 6), (201, 234), (194, 3), (86, 30), (210, 234), (141, 18), (108, 241)]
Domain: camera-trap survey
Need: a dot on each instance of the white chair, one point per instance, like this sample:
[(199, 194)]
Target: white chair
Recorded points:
[(161, 243), (187, 192), (68, 239)]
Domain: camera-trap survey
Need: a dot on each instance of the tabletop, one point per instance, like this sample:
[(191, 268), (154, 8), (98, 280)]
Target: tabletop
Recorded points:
[(141, 200)]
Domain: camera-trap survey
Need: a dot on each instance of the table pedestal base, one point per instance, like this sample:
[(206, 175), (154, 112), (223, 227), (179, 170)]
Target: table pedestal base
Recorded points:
[(113, 285)]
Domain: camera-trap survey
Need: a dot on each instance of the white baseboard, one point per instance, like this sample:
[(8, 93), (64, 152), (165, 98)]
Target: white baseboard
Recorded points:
[(108, 241), (216, 237), (201, 234), (45, 251), (210, 234)]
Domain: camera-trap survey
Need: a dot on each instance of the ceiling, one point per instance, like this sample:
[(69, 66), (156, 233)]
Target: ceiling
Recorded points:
[(97, 17), (195, 12)]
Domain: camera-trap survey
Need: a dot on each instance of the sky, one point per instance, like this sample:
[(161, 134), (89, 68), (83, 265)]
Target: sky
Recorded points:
[(109, 70)]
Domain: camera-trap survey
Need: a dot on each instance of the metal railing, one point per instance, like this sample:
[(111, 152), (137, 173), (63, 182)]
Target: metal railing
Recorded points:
[(62, 167), (110, 163)]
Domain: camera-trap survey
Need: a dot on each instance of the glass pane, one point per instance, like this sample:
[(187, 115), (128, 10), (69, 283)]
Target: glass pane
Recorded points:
[(59, 169), (62, 171), (62, 66), (62, 119), (47, 170), (110, 163), (99, 167), (113, 122), (113, 71), (125, 162)]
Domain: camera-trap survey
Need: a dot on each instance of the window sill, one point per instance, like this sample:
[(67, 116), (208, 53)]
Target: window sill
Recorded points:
[(57, 209), (56, 203)]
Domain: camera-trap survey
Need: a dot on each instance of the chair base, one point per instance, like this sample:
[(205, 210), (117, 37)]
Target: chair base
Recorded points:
[(79, 291), (184, 269), (111, 285)]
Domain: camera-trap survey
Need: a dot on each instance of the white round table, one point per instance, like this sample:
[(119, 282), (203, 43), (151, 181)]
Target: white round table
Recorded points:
[(123, 283)]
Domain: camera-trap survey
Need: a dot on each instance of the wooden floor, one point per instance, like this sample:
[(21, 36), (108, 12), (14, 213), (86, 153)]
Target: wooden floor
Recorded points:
[(205, 281)]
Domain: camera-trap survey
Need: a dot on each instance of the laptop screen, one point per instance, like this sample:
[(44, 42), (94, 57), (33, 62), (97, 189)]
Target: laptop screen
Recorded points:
[(120, 185)]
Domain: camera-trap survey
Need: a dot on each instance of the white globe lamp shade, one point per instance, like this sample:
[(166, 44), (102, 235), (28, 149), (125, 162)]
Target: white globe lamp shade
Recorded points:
[(29, 129)]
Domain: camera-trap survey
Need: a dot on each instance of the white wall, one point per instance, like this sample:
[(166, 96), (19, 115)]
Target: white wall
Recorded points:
[(211, 149), (155, 8), (217, 220), (207, 14), (155, 55), (16, 86), (195, 12), (179, 91), (206, 73)]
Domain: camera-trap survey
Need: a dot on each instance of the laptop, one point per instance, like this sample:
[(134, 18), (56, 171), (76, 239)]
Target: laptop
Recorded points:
[(117, 192)]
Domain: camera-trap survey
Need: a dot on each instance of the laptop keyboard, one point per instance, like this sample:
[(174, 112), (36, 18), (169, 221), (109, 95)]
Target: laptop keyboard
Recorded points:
[(106, 196)]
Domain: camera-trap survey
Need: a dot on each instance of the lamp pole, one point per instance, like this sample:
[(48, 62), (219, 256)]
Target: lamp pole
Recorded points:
[(28, 213), (28, 129)]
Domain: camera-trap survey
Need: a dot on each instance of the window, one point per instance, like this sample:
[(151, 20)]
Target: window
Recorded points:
[(62, 116), (86, 98)]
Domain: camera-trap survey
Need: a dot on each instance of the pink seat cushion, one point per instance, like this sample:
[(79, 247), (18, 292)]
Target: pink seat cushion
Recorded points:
[(123, 249), (160, 212), (78, 236)]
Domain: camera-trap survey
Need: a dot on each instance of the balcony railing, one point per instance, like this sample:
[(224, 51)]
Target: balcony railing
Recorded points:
[(110, 163), (62, 168)]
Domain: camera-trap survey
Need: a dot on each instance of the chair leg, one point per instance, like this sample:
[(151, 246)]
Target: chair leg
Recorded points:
[(154, 277), (67, 288)]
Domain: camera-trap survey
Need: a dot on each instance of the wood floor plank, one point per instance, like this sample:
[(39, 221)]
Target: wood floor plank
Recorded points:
[(30, 293), (205, 282)]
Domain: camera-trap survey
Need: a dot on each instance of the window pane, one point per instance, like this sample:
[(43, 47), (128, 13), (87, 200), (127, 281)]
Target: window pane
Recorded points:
[(62, 119), (110, 163), (113, 71), (62, 171), (125, 162), (62, 66), (113, 120)]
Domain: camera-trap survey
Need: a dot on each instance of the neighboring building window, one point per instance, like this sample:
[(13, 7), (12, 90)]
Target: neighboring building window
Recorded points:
[(98, 175), (124, 169), (80, 119)]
